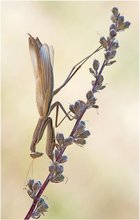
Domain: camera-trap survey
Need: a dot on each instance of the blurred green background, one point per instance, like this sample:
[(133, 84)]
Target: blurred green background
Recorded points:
[(102, 176)]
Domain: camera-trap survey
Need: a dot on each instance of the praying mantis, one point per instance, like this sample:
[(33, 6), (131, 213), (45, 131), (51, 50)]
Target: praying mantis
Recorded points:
[(42, 59)]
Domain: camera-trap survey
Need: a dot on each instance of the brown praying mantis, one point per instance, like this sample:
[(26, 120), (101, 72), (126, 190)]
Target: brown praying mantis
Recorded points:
[(42, 59)]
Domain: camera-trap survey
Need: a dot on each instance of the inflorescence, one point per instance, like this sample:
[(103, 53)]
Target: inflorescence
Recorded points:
[(79, 133)]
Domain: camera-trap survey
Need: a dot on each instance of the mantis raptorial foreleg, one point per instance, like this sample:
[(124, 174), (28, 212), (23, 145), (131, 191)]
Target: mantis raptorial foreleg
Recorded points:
[(38, 133), (50, 141), (41, 125)]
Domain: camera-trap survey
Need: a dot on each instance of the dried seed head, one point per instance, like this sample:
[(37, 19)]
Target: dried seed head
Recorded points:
[(60, 138), (96, 65), (113, 53), (85, 134), (59, 169), (36, 186), (58, 179), (114, 18), (109, 64), (80, 141), (42, 205), (89, 95), (30, 193), (77, 107), (92, 71), (110, 55), (83, 123), (71, 108), (100, 79), (40, 209), (92, 102), (113, 26), (120, 19), (114, 45), (36, 214), (115, 11), (112, 33), (103, 42), (80, 128), (68, 141), (126, 24), (63, 159), (52, 168), (30, 183)]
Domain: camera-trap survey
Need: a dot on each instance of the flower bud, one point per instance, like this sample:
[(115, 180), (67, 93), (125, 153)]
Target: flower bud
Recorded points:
[(112, 33), (114, 18), (120, 19), (56, 153), (58, 179), (52, 168), (126, 24), (85, 134), (68, 141), (30, 193), (103, 42), (89, 95), (92, 102), (82, 122), (80, 141), (63, 159), (96, 65), (80, 128), (76, 106), (110, 54), (36, 186), (71, 108), (100, 79), (42, 208), (113, 26), (91, 71), (60, 138), (113, 53), (59, 169), (36, 214), (114, 45), (30, 183), (107, 55), (115, 11)]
